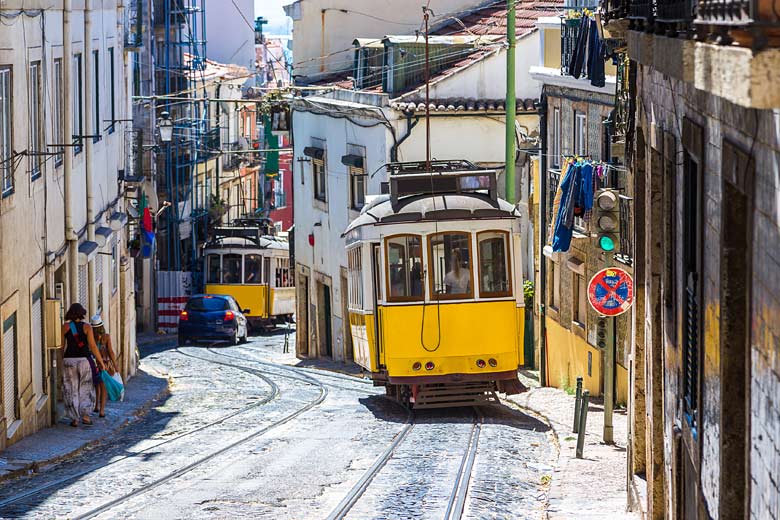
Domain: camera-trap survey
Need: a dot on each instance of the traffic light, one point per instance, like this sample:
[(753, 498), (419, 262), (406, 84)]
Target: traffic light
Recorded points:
[(606, 219)]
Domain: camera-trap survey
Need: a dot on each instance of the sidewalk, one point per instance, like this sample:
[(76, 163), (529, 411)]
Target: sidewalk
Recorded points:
[(61, 441), (593, 487)]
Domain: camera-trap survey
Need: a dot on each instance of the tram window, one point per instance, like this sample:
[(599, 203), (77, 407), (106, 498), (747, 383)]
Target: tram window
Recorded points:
[(283, 278), (252, 266), (213, 269), (231, 269), (494, 279), (355, 272), (404, 268), (451, 259)]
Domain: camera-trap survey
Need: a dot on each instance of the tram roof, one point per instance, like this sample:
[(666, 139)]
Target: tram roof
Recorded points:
[(429, 208), (263, 242)]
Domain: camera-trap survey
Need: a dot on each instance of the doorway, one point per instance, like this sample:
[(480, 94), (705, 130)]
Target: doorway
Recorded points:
[(324, 318), (302, 316), (348, 354)]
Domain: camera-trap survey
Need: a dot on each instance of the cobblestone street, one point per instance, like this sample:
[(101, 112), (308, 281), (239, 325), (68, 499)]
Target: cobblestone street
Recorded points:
[(244, 433)]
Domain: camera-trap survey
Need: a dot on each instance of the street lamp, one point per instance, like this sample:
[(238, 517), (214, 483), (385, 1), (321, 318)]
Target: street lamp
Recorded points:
[(165, 125)]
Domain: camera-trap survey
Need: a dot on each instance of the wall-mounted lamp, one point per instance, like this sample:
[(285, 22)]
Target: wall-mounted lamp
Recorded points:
[(165, 125)]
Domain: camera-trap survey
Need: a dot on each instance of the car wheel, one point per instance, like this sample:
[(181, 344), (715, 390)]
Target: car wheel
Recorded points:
[(243, 339), (235, 340)]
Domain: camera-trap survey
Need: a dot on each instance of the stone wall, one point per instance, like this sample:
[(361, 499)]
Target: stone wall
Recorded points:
[(663, 106)]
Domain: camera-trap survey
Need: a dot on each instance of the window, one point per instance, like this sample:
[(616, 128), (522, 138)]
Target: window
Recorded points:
[(231, 268), (83, 294), (78, 104), (96, 126), (207, 303), (114, 270), (213, 269), (355, 273), (580, 134), (320, 180), (58, 125), (357, 187), (556, 140), (112, 89), (38, 348), (404, 268), (494, 277), (6, 132), (580, 310), (37, 144), (450, 257), (253, 265), (555, 274), (283, 277), (280, 197), (10, 383)]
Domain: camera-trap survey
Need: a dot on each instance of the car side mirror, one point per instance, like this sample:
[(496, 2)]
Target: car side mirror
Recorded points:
[(246, 311)]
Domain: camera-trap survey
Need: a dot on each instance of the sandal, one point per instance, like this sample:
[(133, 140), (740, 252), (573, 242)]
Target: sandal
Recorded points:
[(101, 415), (74, 423), (87, 422)]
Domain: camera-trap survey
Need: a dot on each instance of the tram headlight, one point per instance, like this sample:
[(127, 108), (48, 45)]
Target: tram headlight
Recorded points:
[(417, 365), (481, 363), (429, 365), (492, 362)]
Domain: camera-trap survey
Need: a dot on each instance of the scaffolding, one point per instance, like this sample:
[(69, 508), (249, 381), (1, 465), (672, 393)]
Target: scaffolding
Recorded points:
[(180, 62)]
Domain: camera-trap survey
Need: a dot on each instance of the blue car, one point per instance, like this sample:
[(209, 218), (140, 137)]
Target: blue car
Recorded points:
[(213, 317)]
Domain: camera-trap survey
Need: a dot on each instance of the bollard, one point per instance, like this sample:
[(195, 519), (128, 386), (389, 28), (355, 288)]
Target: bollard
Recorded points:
[(287, 339), (577, 401), (583, 422)]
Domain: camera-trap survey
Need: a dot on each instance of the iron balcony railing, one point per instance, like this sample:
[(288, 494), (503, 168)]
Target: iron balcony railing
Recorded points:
[(553, 179)]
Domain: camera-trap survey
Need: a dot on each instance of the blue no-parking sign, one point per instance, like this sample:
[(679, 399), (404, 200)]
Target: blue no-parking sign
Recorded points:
[(611, 291)]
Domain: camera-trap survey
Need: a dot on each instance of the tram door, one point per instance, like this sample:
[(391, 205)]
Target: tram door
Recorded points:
[(267, 274), (376, 265)]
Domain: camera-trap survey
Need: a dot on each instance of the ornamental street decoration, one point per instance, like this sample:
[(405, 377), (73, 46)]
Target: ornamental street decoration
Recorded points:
[(611, 291)]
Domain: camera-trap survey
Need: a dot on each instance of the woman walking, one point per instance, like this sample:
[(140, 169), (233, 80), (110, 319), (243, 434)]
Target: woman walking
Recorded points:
[(79, 344), (103, 341)]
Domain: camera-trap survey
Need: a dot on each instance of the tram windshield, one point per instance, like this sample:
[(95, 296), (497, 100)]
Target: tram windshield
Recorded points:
[(404, 266), (493, 272), (213, 269), (450, 254), (252, 266), (231, 268)]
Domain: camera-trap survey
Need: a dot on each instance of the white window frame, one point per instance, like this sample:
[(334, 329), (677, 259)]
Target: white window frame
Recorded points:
[(35, 102), (78, 103), (58, 120), (320, 178), (112, 89), (97, 131), (580, 133), (357, 176), (556, 151), (6, 131)]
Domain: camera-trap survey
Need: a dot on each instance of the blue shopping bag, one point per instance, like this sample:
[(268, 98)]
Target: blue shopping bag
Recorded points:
[(114, 388)]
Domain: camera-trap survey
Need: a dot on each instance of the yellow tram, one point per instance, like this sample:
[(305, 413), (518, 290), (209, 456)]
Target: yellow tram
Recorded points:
[(435, 286), (246, 261)]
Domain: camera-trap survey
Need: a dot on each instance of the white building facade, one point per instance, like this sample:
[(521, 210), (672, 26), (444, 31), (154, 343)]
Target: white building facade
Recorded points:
[(63, 99)]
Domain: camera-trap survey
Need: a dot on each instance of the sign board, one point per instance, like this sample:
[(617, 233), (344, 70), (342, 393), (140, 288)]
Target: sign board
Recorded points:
[(611, 291)]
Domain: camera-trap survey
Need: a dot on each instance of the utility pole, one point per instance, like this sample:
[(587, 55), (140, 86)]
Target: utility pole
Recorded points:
[(510, 102)]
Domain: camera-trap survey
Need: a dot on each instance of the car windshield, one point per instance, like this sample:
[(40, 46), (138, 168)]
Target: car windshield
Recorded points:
[(207, 304)]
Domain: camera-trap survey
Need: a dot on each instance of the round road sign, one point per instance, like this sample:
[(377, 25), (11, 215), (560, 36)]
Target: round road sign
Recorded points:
[(611, 291)]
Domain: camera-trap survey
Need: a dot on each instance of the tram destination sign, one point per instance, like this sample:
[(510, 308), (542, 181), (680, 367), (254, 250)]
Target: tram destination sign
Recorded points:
[(611, 291)]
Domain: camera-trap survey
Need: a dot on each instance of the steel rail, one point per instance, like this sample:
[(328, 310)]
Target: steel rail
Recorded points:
[(361, 485), (302, 371), (36, 491), (323, 393), (460, 490)]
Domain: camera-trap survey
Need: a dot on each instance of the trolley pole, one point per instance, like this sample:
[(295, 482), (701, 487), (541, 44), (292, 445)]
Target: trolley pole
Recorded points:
[(510, 102)]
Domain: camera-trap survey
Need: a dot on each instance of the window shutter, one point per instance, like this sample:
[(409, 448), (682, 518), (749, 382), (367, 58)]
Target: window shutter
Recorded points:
[(9, 369), (38, 355)]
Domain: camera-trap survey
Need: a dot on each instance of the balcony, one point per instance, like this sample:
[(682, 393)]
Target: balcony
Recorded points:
[(747, 23)]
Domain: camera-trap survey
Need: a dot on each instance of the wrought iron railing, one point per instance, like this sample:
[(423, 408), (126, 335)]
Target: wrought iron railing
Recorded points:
[(553, 179), (626, 236)]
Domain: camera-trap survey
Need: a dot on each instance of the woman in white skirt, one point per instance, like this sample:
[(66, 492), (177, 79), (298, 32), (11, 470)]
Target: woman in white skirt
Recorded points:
[(79, 344)]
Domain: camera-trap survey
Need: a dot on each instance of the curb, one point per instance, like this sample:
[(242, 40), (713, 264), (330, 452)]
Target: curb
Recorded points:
[(36, 466)]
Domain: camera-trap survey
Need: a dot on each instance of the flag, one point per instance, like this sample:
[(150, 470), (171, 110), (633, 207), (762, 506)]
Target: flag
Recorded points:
[(147, 231)]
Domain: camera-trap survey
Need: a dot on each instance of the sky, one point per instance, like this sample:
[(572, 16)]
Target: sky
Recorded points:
[(272, 10)]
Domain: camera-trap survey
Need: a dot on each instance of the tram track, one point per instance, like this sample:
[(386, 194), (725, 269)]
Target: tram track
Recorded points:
[(323, 393), (457, 500), (273, 394)]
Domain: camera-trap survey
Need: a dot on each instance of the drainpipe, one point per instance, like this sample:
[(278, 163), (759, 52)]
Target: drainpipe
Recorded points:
[(409, 126), (511, 105), (89, 149), (322, 40), (542, 291), (67, 159)]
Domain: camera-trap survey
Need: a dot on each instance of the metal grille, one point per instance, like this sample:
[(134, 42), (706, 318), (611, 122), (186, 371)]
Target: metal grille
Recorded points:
[(9, 370), (553, 179), (626, 244), (38, 355), (83, 285), (691, 354)]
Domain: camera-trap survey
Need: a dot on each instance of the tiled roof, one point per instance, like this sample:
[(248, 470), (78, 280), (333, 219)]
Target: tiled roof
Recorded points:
[(463, 104), (490, 19)]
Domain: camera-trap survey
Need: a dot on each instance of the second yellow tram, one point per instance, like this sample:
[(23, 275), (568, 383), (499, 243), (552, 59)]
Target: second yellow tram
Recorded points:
[(435, 286)]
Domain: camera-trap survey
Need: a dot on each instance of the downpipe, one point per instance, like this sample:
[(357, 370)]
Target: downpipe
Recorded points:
[(67, 159), (89, 149), (542, 240)]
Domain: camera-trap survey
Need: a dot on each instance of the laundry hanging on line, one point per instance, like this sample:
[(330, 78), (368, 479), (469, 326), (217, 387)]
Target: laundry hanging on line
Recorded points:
[(589, 53)]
